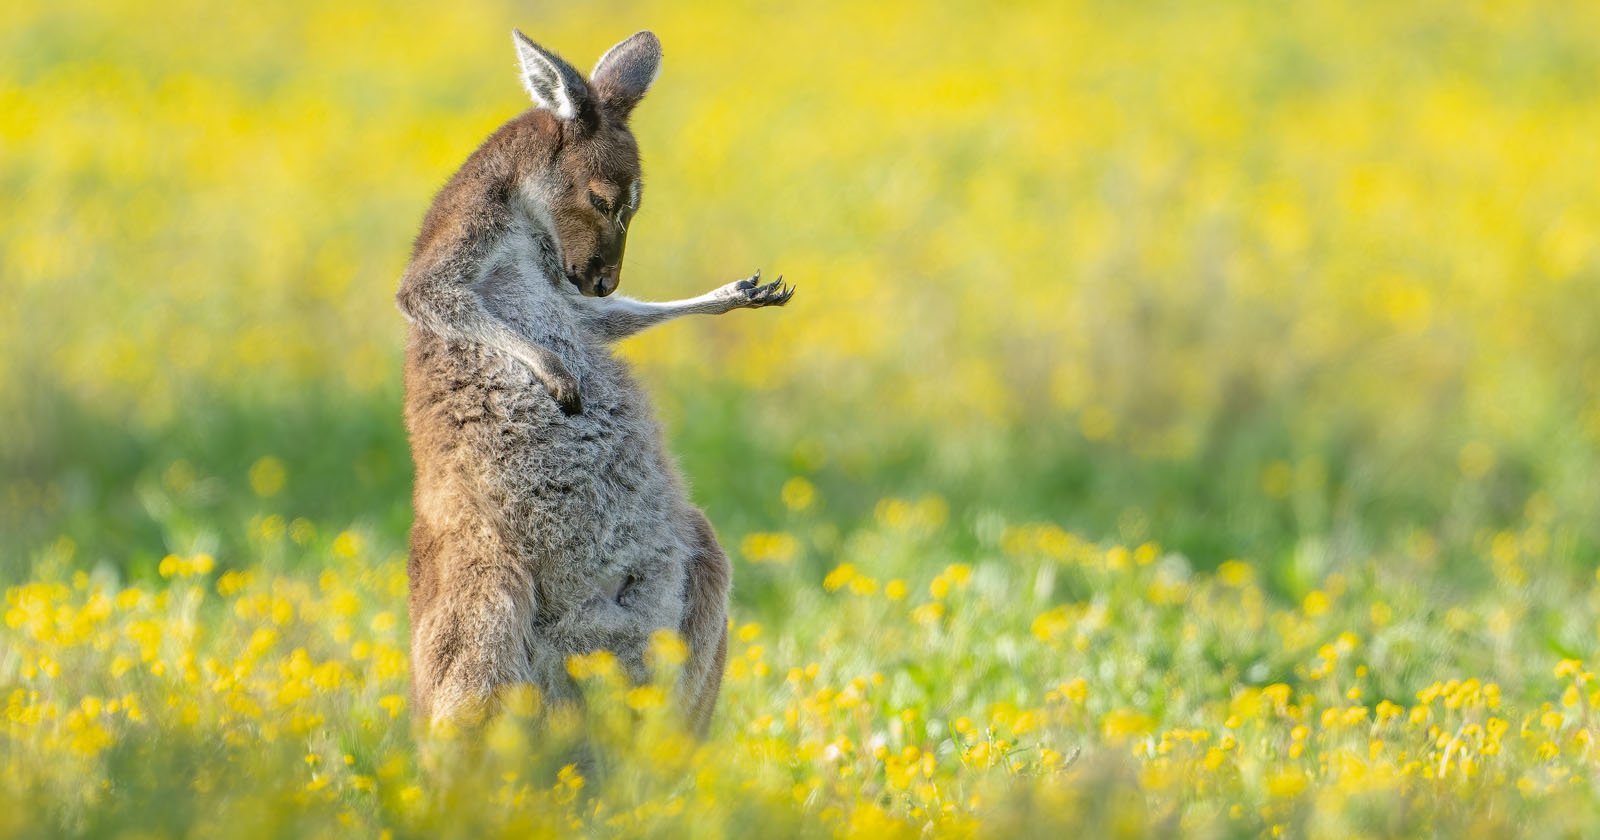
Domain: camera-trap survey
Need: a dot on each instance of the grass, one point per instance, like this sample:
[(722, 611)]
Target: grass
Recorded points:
[(1187, 425)]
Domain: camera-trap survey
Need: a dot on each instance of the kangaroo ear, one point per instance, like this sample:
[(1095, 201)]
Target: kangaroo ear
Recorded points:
[(553, 83), (625, 72)]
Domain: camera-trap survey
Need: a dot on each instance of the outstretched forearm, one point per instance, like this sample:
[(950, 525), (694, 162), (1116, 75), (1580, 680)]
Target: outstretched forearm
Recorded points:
[(617, 317), (454, 311)]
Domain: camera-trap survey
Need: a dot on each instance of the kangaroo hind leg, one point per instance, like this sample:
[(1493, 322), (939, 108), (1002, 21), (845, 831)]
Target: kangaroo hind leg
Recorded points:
[(705, 626), (475, 638)]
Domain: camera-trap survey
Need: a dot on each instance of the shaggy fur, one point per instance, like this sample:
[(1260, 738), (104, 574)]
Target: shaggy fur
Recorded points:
[(549, 520)]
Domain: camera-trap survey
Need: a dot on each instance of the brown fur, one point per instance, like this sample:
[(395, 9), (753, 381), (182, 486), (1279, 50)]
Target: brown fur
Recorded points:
[(548, 527)]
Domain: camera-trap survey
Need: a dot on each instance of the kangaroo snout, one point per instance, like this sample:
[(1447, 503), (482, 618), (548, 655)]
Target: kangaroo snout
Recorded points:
[(595, 279)]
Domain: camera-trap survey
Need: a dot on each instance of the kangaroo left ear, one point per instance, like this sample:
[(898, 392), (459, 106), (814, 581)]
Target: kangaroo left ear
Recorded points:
[(624, 73), (553, 83)]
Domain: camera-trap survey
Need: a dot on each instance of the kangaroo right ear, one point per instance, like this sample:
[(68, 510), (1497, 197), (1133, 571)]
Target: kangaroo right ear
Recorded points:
[(625, 72), (554, 85)]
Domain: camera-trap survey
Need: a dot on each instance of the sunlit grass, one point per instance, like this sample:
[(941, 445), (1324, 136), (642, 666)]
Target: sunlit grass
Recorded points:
[(1053, 683), (1188, 422)]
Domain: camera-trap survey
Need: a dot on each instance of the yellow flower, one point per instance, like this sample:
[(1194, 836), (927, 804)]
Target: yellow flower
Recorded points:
[(1235, 573), (267, 476), (863, 585), (1048, 625), (840, 577), (765, 547), (646, 697), (798, 494), (601, 664), (347, 545), (668, 648), (1074, 691), (394, 704), (1122, 724), (1286, 784)]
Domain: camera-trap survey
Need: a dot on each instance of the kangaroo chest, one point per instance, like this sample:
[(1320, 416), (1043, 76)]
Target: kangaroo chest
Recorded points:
[(590, 498)]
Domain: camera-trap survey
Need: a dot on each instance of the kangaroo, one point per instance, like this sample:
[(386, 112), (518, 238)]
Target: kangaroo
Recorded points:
[(549, 519)]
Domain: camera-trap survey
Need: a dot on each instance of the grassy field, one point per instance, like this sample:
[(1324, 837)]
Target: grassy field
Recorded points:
[(1188, 423)]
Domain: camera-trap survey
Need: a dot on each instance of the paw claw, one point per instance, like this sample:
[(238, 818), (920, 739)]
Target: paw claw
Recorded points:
[(753, 294), (779, 293), (567, 395)]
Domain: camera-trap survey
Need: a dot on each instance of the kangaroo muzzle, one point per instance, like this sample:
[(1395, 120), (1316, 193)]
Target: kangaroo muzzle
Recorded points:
[(605, 282), (595, 279)]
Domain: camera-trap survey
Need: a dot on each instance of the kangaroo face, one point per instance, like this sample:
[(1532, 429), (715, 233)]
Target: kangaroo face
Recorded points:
[(594, 179), (598, 192)]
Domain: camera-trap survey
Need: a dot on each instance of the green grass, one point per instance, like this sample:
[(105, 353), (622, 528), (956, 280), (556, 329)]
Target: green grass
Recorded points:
[(1187, 415)]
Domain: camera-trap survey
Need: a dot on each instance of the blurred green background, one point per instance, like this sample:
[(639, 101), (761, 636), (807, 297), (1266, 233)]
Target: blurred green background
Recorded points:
[(1188, 422), (1297, 290)]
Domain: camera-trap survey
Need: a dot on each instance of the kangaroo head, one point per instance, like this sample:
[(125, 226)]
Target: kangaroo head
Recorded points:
[(591, 185)]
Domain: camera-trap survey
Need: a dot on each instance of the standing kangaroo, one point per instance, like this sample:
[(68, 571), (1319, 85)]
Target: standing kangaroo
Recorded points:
[(549, 519)]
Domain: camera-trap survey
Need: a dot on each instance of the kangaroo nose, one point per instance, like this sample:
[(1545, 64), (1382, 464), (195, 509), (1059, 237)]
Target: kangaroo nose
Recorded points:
[(606, 282)]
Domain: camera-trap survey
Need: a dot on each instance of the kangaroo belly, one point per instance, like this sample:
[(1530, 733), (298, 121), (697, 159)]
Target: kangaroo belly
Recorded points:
[(587, 503)]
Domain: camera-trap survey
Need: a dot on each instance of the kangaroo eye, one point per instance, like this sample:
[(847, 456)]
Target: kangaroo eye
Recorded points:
[(600, 204)]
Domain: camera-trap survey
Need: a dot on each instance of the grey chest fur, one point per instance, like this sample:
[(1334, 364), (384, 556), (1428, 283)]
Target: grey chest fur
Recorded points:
[(588, 502)]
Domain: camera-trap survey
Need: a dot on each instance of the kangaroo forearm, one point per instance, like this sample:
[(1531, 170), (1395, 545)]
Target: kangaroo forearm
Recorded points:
[(454, 311), (616, 318)]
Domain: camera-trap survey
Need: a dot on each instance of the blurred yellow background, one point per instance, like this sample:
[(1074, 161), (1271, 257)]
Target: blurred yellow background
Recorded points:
[(1132, 223), (1094, 298)]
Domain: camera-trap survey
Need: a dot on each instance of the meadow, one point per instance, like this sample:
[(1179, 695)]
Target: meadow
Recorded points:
[(1188, 423)]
